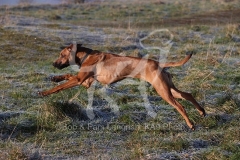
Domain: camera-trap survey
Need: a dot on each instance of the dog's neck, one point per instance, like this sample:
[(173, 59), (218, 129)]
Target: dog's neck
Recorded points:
[(81, 54)]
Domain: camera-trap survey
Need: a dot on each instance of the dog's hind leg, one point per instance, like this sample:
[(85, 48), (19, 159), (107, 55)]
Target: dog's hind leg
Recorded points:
[(187, 96), (171, 100), (183, 95), (164, 91)]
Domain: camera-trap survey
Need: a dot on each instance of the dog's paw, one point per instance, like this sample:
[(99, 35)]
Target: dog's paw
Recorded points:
[(35, 94), (204, 114), (41, 94), (57, 78), (188, 128), (54, 79), (193, 128)]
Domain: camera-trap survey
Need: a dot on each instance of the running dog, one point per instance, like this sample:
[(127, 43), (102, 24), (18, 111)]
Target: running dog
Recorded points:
[(108, 68)]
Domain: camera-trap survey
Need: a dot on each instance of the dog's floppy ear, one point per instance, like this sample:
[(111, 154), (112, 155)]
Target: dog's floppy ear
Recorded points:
[(70, 48)]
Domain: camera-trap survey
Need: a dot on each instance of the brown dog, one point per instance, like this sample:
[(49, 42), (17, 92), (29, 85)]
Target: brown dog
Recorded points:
[(109, 68)]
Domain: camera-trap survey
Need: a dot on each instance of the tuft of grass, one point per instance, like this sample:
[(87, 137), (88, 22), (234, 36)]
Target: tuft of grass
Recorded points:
[(177, 144), (236, 155), (126, 119), (210, 121), (236, 80), (223, 39), (67, 109), (200, 28), (17, 153)]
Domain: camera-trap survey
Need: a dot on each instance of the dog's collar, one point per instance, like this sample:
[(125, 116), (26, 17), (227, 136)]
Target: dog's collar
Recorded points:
[(85, 57)]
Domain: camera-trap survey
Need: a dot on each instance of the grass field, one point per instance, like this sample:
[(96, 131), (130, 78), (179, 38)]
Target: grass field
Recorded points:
[(57, 126)]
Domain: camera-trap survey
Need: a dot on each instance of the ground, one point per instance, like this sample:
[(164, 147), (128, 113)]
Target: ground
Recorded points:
[(57, 126)]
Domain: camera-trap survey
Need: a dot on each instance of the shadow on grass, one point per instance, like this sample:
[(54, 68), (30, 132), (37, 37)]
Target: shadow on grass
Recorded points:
[(20, 130), (71, 110), (21, 125)]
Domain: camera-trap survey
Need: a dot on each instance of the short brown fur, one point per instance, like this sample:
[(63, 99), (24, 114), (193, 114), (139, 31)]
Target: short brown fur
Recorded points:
[(109, 68)]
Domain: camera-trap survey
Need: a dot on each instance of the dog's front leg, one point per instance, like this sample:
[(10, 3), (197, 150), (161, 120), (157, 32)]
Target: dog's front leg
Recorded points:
[(71, 83), (74, 81)]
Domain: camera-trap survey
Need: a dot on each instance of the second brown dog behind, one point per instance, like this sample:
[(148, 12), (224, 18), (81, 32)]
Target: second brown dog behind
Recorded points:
[(109, 68)]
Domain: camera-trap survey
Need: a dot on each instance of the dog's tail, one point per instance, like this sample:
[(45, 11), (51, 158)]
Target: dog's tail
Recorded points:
[(175, 64)]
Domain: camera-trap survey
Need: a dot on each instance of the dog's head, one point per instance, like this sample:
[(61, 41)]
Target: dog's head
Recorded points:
[(66, 57)]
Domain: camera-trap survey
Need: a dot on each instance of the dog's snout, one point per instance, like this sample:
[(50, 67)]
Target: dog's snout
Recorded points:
[(59, 64), (56, 64)]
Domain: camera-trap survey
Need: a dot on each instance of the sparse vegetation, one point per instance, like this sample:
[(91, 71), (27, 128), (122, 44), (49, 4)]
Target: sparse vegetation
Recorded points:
[(57, 126)]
